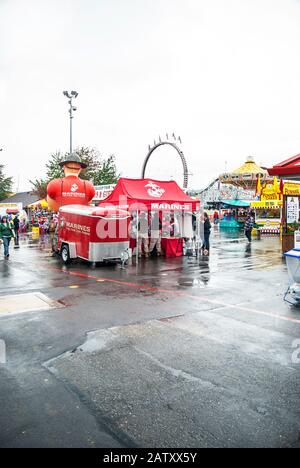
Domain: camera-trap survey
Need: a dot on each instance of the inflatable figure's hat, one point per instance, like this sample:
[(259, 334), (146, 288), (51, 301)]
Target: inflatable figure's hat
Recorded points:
[(73, 158)]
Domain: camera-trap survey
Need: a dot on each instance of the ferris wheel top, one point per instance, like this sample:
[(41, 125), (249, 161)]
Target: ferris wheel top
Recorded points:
[(175, 145)]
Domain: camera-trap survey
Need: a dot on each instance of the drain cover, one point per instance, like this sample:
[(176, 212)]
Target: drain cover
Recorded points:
[(26, 303)]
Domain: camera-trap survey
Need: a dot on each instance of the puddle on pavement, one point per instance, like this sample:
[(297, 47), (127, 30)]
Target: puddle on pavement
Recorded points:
[(230, 254)]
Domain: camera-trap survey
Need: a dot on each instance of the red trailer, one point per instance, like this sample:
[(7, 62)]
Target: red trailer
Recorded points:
[(96, 234)]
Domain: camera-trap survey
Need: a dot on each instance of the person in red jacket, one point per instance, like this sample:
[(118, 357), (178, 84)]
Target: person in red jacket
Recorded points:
[(71, 190), (216, 217)]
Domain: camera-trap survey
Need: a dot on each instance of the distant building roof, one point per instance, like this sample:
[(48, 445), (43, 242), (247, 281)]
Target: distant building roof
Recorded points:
[(287, 169), (22, 197)]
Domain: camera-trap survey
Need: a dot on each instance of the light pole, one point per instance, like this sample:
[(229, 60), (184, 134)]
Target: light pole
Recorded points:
[(70, 96)]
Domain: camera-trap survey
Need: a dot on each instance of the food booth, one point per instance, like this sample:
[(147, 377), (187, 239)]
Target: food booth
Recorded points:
[(268, 210), (10, 208), (289, 173), (173, 206), (233, 214), (290, 214)]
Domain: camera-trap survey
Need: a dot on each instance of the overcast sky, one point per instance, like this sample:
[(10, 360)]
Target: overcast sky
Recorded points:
[(222, 74)]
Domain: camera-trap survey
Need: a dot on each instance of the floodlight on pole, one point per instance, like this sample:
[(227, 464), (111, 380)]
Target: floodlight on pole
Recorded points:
[(72, 109)]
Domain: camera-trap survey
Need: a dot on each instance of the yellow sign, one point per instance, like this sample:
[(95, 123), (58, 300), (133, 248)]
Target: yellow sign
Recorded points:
[(271, 191), (291, 188), (11, 205), (267, 204)]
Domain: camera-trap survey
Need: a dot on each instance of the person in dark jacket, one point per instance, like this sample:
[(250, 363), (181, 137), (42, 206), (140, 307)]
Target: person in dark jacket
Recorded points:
[(16, 225), (6, 233), (249, 226), (207, 228)]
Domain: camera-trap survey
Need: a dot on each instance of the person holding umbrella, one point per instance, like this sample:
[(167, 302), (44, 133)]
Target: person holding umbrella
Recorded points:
[(6, 233)]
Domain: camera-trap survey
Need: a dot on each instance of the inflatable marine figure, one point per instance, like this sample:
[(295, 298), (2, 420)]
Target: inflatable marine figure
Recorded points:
[(70, 190)]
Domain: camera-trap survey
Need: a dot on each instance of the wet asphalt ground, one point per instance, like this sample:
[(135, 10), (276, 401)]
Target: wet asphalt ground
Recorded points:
[(172, 353)]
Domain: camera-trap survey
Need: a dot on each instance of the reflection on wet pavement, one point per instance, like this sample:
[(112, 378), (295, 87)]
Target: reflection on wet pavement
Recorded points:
[(232, 270), (229, 251)]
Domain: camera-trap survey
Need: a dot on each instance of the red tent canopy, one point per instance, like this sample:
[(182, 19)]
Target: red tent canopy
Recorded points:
[(288, 168), (151, 195)]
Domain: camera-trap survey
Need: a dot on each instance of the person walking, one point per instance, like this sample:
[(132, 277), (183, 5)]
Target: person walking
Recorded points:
[(207, 228), (16, 226), (46, 226), (6, 233), (249, 226), (216, 217)]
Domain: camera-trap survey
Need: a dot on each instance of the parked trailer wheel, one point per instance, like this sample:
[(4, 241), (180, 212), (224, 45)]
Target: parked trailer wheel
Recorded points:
[(65, 254)]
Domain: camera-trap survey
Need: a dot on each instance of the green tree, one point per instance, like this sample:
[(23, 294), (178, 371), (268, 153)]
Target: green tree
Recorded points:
[(99, 171), (39, 188), (53, 169), (89, 156), (92, 158), (5, 184), (107, 173)]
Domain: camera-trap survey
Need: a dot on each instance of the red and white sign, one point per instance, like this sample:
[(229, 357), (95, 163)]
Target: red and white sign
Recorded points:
[(103, 191), (154, 190)]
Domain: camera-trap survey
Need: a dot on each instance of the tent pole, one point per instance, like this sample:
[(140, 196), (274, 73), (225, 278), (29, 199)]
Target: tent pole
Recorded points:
[(198, 234), (137, 237)]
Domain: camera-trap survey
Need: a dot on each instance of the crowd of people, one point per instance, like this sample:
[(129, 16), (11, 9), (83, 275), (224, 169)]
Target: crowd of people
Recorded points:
[(11, 226), (151, 229), (45, 221)]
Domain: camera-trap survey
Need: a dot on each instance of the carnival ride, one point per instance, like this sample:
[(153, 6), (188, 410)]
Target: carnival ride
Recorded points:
[(246, 176), (175, 145)]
